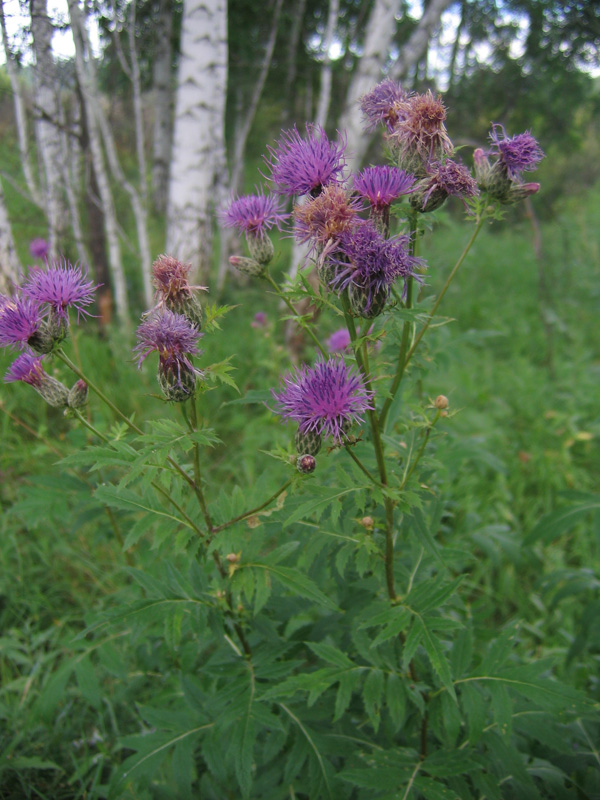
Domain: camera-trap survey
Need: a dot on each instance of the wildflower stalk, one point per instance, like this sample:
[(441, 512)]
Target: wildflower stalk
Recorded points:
[(294, 311), (252, 511), (361, 466), (440, 297), (421, 450), (193, 423), (379, 454)]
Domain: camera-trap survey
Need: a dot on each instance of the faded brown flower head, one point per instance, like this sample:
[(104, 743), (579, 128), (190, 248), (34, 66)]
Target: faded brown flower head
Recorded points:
[(171, 278), (420, 128), (326, 217)]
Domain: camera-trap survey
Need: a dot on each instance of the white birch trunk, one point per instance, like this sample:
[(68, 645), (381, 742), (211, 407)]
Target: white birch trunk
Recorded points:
[(325, 89), (46, 124), (10, 267), (92, 101), (163, 108), (137, 104), (20, 115), (70, 177), (416, 47), (241, 137), (380, 32), (199, 133)]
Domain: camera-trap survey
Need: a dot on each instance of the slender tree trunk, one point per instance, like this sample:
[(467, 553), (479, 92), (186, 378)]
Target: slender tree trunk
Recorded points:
[(292, 50), (241, 138), (9, 261), (20, 115), (70, 175), (416, 47), (456, 48), (46, 124), (137, 104), (91, 104), (199, 133), (325, 91), (163, 108)]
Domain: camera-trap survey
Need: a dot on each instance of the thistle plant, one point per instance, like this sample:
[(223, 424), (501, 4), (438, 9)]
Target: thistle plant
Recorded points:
[(321, 639)]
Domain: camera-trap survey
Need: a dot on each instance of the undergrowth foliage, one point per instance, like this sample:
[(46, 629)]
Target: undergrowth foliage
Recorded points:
[(314, 632)]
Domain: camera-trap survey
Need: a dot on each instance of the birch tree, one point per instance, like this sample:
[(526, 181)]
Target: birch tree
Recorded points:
[(416, 47), (46, 115), (199, 131), (9, 261), (163, 107)]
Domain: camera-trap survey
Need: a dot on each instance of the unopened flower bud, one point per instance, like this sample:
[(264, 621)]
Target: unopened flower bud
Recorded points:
[(309, 442), (306, 464), (443, 413), (177, 384), (261, 248), (368, 523), (247, 265), (425, 200), (441, 401), (233, 558), (366, 304), (52, 331), (518, 192), (78, 395)]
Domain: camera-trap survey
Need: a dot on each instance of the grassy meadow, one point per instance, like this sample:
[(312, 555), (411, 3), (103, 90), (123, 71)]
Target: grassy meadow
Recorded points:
[(519, 360)]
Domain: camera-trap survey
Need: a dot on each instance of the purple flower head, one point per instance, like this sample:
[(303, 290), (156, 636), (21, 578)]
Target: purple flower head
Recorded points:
[(325, 217), (382, 185), (339, 341), (518, 154), (20, 320), (384, 104), (447, 178), (327, 398), (27, 368), (260, 320), (304, 166), (369, 261), (61, 286), (253, 214), (173, 338), (39, 248)]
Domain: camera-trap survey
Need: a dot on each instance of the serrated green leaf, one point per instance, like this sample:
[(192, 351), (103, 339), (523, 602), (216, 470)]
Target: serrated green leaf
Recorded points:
[(331, 654), (438, 660), (298, 583), (556, 523), (372, 695), (395, 698)]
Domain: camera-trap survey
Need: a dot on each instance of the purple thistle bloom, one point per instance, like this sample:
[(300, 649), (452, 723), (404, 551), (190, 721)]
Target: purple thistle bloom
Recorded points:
[(20, 320), (520, 153), (260, 320), (173, 338), (369, 261), (323, 218), (26, 368), (339, 340), (304, 166), (39, 248), (382, 185), (448, 178), (61, 286), (383, 104), (326, 398), (253, 214)]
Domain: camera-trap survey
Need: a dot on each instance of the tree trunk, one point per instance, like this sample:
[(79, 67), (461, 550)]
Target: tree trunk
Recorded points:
[(9, 261), (325, 91), (70, 177), (199, 133), (20, 116), (292, 50), (137, 104), (163, 108), (416, 47), (46, 124), (91, 104)]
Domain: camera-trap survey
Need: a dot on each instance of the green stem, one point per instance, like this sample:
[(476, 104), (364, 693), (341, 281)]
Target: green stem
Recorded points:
[(421, 451), (252, 511), (294, 311), (359, 464), (440, 297), (60, 354), (197, 474)]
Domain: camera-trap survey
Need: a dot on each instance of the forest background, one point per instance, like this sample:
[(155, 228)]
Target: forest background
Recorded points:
[(125, 149)]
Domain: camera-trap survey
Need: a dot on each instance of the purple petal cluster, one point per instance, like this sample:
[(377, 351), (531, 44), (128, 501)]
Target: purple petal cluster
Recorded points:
[(382, 185), (383, 104), (172, 337), (20, 319), (368, 260), (253, 214), (326, 398), (518, 154), (27, 368), (451, 178), (304, 166), (339, 341), (61, 286), (39, 248)]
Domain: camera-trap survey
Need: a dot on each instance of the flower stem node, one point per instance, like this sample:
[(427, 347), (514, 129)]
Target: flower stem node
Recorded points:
[(261, 248), (306, 464), (441, 402), (248, 266), (78, 394), (308, 443)]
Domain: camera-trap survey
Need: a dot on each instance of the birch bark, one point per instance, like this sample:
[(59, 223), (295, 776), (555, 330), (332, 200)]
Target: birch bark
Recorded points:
[(46, 116), (9, 261), (416, 47), (20, 115), (199, 133), (163, 108), (91, 101)]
